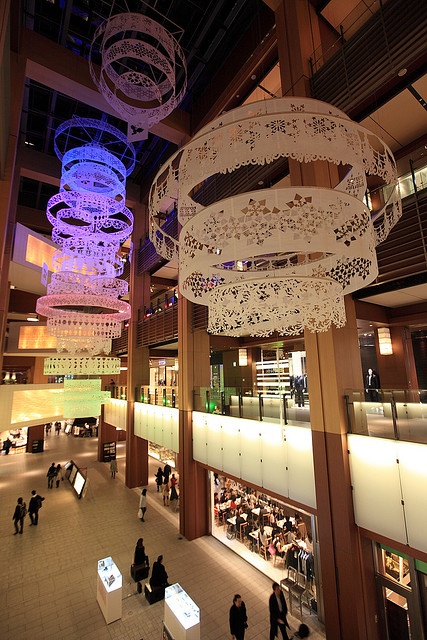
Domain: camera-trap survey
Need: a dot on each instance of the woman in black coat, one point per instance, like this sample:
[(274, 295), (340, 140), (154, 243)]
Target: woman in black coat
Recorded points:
[(139, 556), (159, 478)]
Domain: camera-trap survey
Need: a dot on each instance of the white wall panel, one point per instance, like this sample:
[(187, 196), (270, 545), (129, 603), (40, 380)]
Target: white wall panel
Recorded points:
[(300, 465), (413, 473), (376, 486), (257, 453), (157, 424)]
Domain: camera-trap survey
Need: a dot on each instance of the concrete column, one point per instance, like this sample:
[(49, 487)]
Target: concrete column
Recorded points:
[(397, 371), (138, 358), (333, 365), (193, 355), (9, 178), (34, 433)]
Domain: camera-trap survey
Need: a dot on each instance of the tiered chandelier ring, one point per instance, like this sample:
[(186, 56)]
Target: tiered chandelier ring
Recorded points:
[(278, 259), (90, 221), (142, 74)]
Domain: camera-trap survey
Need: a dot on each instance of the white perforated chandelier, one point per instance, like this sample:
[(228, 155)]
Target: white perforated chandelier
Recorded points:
[(142, 73), (277, 259), (90, 222)]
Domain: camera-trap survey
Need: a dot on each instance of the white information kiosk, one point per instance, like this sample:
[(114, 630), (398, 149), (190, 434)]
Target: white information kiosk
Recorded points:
[(109, 590), (181, 615)]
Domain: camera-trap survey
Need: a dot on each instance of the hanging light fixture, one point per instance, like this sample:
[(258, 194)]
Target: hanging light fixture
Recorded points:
[(384, 341), (143, 74), (90, 221), (278, 259)]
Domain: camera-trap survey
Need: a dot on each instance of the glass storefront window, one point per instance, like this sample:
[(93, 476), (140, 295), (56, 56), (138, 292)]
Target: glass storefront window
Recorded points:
[(394, 566), (268, 533)]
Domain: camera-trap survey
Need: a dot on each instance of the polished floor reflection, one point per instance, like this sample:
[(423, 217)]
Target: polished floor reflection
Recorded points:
[(48, 586)]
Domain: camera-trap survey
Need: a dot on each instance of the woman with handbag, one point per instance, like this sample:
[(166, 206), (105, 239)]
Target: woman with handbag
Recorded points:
[(139, 556), (140, 567), (142, 505)]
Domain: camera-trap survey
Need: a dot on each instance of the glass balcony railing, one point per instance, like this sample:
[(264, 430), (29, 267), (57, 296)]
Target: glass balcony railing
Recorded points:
[(161, 396), (284, 407), (399, 414)]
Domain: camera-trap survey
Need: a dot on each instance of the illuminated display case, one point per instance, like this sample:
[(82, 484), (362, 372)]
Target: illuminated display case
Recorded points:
[(109, 590), (181, 614)]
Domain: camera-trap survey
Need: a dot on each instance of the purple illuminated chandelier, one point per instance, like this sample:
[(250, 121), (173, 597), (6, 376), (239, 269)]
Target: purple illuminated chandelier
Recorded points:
[(90, 222)]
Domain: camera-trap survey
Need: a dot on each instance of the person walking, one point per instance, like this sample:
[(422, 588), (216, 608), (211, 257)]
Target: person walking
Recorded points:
[(278, 612), (113, 467), (238, 618), (174, 493), (19, 515), (166, 473), (58, 475), (159, 478), (143, 504), (166, 495), (51, 473), (33, 507)]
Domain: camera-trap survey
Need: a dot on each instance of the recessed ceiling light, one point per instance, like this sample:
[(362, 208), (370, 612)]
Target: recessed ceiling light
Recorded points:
[(402, 72)]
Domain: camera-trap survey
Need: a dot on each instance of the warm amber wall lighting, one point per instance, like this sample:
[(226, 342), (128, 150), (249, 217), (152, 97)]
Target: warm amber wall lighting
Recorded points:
[(243, 357), (384, 339)]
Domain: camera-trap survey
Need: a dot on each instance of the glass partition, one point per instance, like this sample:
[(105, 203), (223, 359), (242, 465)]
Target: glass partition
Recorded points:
[(282, 408), (399, 414)]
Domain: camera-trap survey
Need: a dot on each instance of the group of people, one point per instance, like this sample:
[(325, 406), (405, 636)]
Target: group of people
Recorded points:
[(48, 427), (228, 503), (166, 484), (54, 474), (278, 612), (159, 577), (20, 511)]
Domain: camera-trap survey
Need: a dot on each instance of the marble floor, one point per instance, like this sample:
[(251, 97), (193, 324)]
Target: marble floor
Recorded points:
[(48, 583)]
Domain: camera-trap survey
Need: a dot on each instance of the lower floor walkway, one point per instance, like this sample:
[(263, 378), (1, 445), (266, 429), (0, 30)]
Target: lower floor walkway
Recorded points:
[(48, 586)]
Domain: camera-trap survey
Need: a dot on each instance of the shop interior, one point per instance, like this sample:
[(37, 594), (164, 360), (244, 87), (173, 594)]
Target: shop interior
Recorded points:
[(13, 441), (271, 535)]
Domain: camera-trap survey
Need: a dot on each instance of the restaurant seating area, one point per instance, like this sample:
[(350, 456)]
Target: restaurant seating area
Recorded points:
[(273, 533)]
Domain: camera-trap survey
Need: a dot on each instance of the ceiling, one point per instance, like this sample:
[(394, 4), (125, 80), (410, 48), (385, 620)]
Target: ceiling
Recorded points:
[(214, 35)]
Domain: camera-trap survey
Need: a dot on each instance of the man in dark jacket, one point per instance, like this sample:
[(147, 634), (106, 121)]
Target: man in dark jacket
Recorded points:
[(278, 613), (159, 577), (19, 515), (51, 473), (34, 506), (238, 618)]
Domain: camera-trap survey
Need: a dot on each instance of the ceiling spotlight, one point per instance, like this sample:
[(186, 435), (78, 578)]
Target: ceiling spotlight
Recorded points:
[(253, 77), (402, 72)]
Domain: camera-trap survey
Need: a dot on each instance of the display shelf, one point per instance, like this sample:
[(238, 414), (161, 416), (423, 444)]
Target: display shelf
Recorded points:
[(272, 376), (109, 590), (181, 615)]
